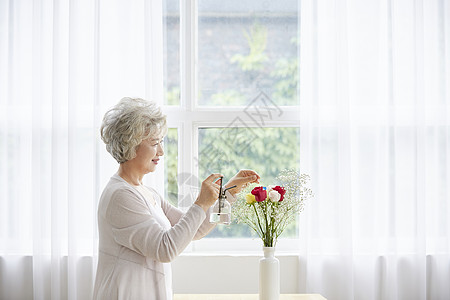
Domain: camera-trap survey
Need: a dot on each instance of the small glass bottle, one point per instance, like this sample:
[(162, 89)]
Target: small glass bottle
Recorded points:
[(221, 212)]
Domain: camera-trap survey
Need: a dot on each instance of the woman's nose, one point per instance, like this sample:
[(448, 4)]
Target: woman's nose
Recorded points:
[(160, 150)]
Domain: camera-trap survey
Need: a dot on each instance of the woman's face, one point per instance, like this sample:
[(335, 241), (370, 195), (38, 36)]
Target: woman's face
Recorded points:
[(148, 153)]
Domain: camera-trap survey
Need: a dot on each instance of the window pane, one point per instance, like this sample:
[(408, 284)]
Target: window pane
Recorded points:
[(171, 15), (265, 150), (171, 166), (245, 47)]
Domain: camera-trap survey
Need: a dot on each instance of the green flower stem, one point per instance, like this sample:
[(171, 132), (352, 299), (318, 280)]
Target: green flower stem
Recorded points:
[(265, 222), (274, 222), (261, 233), (268, 241)]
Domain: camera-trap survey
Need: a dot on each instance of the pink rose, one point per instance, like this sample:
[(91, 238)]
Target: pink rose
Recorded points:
[(280, 190), (260, 193)]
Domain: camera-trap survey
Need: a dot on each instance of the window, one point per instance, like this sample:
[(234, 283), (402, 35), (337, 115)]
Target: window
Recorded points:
[(231, 96)]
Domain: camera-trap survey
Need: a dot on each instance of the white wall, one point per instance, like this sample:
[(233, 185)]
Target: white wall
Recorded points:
[(229, 274)]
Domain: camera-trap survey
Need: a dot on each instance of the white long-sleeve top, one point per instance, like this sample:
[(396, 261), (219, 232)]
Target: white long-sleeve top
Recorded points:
[(138, 240)]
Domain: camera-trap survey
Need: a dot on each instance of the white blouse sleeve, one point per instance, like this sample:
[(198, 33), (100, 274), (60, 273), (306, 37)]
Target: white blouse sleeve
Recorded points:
[(174, 214), (134, 227)]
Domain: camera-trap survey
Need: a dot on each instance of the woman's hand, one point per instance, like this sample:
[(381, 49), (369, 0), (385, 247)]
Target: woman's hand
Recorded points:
[(209, 191), (241, 180)]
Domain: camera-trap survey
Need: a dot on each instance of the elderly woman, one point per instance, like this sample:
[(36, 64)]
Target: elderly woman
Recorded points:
[(139, 232)]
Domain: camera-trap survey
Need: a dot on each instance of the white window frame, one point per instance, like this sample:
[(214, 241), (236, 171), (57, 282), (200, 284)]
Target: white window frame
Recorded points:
[(189, 117)]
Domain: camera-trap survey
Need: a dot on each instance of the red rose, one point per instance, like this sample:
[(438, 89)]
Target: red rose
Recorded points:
[(260, 193), (281, 191)]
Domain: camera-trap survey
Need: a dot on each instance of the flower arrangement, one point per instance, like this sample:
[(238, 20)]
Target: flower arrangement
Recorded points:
[(268, 210)]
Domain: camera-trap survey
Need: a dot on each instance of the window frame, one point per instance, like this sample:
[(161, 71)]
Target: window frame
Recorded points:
[(188, 117)]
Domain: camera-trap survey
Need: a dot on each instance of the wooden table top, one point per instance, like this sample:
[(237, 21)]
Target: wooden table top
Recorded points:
[(244, 297)]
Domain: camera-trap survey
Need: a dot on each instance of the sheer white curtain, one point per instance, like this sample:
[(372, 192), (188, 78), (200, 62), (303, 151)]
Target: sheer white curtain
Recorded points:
[(62, 64), (375, 136)]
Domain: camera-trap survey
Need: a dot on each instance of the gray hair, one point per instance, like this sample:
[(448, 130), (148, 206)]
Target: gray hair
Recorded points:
[(128, 123)]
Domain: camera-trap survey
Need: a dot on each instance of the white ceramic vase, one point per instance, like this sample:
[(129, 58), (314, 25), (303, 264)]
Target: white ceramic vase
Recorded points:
[(269, 275)]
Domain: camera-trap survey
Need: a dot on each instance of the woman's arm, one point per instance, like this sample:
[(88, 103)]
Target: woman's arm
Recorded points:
[(174, 214), (135, 228)]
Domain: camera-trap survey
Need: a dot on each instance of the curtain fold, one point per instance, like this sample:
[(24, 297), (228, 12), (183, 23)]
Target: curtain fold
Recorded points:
[(62, 65), (374, 90)]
